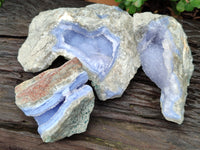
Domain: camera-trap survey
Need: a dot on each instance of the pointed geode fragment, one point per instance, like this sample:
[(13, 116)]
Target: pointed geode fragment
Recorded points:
[(58, 100), (166, 59), (100, 36)]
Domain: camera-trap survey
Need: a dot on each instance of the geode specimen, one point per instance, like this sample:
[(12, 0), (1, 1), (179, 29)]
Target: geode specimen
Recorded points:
[(58, 100), (100, 36), (166, 59)]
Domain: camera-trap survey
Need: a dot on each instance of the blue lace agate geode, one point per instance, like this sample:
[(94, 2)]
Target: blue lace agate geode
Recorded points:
[(157, 69), (58, 100), (165, 62), (100, 36)]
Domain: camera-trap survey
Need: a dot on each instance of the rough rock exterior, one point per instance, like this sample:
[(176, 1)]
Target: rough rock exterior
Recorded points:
[(166, 59), (100, 36), (58, 100)]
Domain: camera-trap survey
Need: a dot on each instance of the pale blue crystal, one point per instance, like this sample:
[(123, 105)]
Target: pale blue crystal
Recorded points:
[(159, 66), (97, 49), (110, 94), (53, 117), (102, 16), (47, 115)]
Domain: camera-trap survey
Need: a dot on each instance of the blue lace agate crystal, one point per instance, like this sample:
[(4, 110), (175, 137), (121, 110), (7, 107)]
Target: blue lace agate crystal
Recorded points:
[(110, 45), (97, 50), (100, 36), (166, 59), (58, 100), (69, 117)]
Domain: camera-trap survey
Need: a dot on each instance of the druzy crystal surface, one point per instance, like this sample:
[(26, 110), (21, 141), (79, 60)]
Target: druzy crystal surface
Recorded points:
[(57, 98), (166, 59)]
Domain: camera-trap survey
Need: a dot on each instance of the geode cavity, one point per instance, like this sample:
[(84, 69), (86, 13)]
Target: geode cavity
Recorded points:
[(100, 36)]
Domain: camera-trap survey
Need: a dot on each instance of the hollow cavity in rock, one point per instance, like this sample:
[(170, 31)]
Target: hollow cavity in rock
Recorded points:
[(97, 49)]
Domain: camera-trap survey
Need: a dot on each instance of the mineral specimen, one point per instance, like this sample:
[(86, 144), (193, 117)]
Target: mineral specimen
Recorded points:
[(166, 59), (100, 36), (109, 43), (58, 100)]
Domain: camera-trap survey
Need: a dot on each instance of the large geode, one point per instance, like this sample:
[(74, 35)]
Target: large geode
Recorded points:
[(100, 36), (166, 59)]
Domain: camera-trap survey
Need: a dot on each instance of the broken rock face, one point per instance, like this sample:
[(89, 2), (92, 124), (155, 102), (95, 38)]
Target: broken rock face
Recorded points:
[(166, 59), (58, 100), (100, 36)]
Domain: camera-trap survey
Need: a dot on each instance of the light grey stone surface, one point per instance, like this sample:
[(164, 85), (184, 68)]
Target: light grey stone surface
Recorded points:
[(37, 52), (166, 59)]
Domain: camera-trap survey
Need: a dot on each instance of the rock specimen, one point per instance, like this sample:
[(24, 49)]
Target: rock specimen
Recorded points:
[(108, 42), (100, 36), (166, 59), (58, 100)]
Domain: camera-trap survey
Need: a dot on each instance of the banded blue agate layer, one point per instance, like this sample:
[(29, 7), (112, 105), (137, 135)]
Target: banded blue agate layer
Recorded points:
[(56, 98), (162, 61), (67, 117), (97, 49)]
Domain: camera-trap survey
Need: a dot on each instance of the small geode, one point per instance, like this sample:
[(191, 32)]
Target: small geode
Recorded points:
[(166, 59), (100, 36), (58, 100)]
